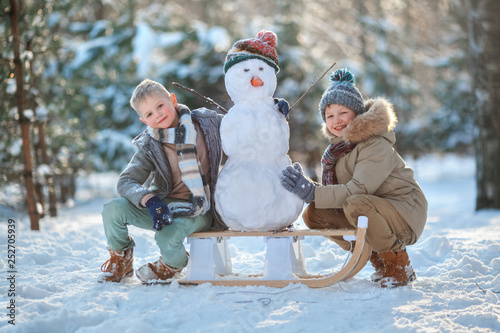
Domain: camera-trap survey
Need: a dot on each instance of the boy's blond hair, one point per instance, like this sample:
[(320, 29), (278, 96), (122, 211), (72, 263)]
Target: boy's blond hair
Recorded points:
[(146, 88)]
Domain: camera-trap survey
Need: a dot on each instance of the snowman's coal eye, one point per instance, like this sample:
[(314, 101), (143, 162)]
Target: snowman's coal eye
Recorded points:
[(261, 68), (246, 70)]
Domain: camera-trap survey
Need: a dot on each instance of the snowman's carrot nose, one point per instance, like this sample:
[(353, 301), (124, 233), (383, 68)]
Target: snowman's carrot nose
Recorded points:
[(256, 82)]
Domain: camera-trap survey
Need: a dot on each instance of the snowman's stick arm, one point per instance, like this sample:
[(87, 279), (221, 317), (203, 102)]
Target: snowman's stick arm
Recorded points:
[(312, 86), (209, 100)]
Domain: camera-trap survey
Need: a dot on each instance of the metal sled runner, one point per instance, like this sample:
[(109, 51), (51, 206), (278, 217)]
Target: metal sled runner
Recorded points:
[(210, 262)]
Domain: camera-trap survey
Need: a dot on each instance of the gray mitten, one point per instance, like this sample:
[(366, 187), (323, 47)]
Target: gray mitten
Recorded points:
[(293, 180)]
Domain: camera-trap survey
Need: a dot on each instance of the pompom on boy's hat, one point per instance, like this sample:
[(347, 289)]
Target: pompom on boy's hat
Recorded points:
[(262, 46), (342, 91)]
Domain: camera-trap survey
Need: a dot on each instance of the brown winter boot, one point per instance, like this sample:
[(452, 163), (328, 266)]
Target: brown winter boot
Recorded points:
[(118, 266), (378, 264), (397, 269), (157, 270)]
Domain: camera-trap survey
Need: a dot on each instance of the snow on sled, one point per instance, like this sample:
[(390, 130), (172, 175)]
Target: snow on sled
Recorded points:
[(210, 262)]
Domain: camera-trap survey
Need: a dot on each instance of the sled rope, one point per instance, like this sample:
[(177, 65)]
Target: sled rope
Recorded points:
[(486, 290), (264, 300)]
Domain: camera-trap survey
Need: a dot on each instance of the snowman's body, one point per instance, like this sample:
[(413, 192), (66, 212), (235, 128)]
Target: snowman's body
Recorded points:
[(255, 135)]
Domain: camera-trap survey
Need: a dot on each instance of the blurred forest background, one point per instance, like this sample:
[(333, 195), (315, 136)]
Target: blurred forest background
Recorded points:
[(81, 61)]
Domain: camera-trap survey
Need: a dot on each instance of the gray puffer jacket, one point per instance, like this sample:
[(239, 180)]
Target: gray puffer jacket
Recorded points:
[(149, 171)]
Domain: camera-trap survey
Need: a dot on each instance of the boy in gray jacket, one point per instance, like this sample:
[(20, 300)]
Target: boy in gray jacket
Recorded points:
[(167, 187)]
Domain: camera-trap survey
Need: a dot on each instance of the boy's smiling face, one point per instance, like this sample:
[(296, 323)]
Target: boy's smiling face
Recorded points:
[(337, 118), (158, 111)]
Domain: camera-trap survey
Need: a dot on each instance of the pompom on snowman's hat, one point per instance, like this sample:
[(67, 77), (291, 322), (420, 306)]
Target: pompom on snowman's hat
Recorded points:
[(262, 46), (342, 91)]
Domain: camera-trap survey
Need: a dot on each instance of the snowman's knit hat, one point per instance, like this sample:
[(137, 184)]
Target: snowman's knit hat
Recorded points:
[(342, 91), (262, 46)]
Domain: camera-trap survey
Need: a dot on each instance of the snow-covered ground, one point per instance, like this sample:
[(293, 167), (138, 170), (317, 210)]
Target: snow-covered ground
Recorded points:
[(457, 260)]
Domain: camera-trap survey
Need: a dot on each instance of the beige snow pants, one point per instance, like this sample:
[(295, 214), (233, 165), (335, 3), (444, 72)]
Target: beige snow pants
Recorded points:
[(387, 230)]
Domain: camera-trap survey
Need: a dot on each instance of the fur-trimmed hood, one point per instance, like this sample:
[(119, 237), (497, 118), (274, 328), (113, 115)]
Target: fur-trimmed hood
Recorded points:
[(378, 120)]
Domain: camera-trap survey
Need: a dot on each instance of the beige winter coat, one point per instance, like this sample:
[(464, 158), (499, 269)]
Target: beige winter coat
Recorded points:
[(374, 167)]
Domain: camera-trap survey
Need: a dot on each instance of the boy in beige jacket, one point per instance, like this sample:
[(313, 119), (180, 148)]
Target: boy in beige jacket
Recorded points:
[(363, 175)]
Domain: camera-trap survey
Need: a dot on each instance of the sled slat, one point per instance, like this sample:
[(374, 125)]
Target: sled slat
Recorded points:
[(281, 233)]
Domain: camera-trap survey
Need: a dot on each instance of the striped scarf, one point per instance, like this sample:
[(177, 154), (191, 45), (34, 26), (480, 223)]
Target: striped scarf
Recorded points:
[(329, 160), (184, 138)]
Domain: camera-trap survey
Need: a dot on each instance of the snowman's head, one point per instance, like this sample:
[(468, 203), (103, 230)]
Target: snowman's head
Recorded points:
[(250, 79)]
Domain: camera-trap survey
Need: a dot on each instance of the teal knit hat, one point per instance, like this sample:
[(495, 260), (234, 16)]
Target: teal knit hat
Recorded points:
[(342, 91)]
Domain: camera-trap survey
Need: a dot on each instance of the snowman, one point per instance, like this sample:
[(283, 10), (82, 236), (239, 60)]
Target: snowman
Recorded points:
[(255, 135)]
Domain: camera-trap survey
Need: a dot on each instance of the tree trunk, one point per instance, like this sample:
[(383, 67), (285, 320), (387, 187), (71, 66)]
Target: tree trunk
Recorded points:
[(23, 121), (484, 40)]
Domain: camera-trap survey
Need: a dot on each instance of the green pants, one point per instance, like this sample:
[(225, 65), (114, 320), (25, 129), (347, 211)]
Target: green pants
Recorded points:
[(119, 213)]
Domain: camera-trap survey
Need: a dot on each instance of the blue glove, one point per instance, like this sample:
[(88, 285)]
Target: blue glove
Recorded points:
[(293, 180), (160, 213), (283, 106)]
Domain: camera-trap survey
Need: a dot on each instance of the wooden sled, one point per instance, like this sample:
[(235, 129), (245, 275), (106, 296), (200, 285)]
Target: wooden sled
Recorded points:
[(277, 273)]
